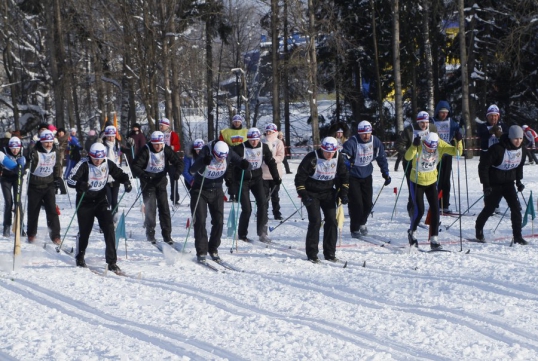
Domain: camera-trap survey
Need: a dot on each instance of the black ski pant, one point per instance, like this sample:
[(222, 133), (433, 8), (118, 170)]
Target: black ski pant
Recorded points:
[(9, 189), (326, 202), (445, 171), (531, 155), (155, 197), (399, 158), (508, 191), (88, 210), (407, 168), (360, 201), (212, 199), (286, 164), (268, 186), (112, 191), (174, 191), (256, 187), (43, 195), (417, 192), (232, 182)]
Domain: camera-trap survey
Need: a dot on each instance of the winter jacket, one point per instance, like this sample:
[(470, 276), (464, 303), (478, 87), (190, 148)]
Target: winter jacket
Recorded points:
[(80, 174), (408, 134), (447, 128), (174, 140), (350, 149), (307, 186), (141, 161), (267, 158), (187, 162), (138, 141), (487, 139), (33, 158), (6, 172), (276, 146), (233, 136), (198, 167), (428, 175), (492, 176), (89, 142)]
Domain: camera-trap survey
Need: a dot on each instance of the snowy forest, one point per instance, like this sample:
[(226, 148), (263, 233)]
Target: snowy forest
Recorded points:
[(74, 63)]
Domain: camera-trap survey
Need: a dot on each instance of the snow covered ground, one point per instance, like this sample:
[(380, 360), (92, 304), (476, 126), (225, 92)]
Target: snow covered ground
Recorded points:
[(386, 305)]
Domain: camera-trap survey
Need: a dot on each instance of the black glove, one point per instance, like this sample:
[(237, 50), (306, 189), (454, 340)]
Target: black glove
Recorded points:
[(207, 159), (176, 176), (487, 191), (496, 130), (307, 201), (277, 181), (520, 186), (458, 136), (82, 186), (130, 141), (57, 182), (387, 179), (128, 186), (244, 164), (416, 141), (344, 199)]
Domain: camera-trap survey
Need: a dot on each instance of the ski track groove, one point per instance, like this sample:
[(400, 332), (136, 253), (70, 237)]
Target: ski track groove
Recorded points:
[(349, 335), (434, 313), (196, 349)]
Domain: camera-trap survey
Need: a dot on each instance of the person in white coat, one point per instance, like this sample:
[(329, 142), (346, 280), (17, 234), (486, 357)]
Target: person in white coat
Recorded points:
[(277, 149)]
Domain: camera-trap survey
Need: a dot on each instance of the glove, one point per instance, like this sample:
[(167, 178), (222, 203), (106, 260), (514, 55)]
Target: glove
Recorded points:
[(307, 201), (520, 186), (416, 141), (128, 186), (130, 141), (344, 199), (82, 186), (244, 164), (21, 161), (487, 191), (387, 179), (277, 181), (207, 159), (496, 130), (458, 136), (176, 176)]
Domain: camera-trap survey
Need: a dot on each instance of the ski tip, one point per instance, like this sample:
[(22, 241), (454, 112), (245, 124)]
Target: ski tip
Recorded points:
[(468, 251), (345, 265), (363, 265)]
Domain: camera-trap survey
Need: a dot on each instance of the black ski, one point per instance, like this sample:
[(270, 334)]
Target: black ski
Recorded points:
[(226, 265), (379, 241), (208, 265), (335, 264), (432, 250)]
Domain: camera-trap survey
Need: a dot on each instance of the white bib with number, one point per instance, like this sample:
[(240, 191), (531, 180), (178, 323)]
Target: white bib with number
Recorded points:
[(97, 176), (325, 169), (427, 161), (254, 156), (365, 154), (443, 130), (215, 169), (511, 159), (45, 164), (156, 162)]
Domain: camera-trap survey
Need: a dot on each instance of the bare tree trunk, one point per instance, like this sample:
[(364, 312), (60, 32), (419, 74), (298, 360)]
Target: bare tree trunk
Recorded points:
[(464, 76), (377, 73), (428, 55), (55, 45), (285, 79), (398, 104), (275, 62), (209, 82), (313, 73), (165, 60)]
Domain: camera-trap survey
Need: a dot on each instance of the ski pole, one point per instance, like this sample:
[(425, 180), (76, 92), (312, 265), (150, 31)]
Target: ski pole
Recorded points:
[(137, 197), (59, 247), (118, 204), (462, 213), (398, 195), (378, 194), (291, 199), (186, 189), (466, 181), (193, 214), (68, 196), (17, 238), (504, 214), (238, 211), (459, 195), (271, 229)]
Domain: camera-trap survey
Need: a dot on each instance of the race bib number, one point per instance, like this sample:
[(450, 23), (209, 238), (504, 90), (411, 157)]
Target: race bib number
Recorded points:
[(427, 161), (365, 154), (443, 130), (512, 159), (215, 169)]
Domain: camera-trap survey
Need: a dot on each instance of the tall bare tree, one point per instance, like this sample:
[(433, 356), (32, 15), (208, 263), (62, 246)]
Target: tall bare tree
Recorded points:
[(464, 75), (398, 103)]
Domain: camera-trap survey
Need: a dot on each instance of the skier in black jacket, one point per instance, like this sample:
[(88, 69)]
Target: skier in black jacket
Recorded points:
[(9, 180), (208, 170), (499, 167), (151, 166), (256, 153), (89, 177), (319, 175)]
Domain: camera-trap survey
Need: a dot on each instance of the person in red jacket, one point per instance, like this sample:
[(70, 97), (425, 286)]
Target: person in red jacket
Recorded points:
[(532, 139), (171, 139)]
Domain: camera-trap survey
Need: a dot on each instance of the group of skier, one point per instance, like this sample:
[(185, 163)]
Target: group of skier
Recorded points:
[(339, 172)]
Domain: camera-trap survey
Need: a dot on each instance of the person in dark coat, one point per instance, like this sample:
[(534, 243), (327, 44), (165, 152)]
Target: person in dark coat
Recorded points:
[(12, 154), (316, 183), (150, 165), (89, 177), (498, 169), (136, 140)]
